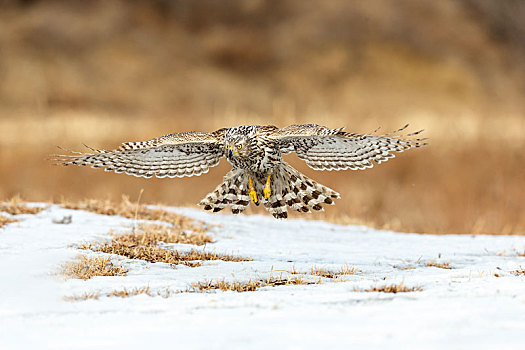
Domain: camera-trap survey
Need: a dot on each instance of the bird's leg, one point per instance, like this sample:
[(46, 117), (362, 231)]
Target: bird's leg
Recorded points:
[(267, 188), (252, 193)]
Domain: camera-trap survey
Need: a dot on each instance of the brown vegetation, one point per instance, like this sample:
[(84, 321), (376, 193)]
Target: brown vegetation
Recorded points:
[(126, 245), (393, 288), (250, 285), (112, 71), (405, 267), (150, 234), (198, 287), (315, 271), (85, 267), (122, 293), (131, 210), (15, 206), (5, 220), (180, 228), (143, 243), (343, 271), (519, 272), (442, 265), (235, 286)]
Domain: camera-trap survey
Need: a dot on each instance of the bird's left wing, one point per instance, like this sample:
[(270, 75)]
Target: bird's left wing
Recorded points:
[(334, 149), (174, 155)]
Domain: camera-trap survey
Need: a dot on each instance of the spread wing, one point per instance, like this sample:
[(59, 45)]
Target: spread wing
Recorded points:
[(175, 155), (334, 149)]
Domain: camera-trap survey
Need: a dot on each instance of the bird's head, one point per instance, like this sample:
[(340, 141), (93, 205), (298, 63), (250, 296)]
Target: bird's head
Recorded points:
[(237, 147)]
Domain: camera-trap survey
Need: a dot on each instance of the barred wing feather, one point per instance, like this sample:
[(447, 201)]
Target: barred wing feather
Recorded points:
[(174, 155), (334, 149)]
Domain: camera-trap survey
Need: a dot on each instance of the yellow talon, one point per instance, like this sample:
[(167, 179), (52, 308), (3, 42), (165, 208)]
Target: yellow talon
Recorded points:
[(267, 189), (252, 193)]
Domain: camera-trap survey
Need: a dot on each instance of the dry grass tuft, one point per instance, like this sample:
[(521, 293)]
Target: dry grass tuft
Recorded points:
[(197, 287), (404, 267), (85, 296), (344, 271), (393, 288), (86, 267), (519, 272), (248, 286), (144, 247), (15, 206), (131, 210), (443, 265), (5, 220), (126, 293), (143, 243), (521, 253), (323, 273), (150, 234), (122, 293), (294, 280)]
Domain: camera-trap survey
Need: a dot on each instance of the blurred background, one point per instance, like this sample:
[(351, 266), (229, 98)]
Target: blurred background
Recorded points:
[(105, 72)]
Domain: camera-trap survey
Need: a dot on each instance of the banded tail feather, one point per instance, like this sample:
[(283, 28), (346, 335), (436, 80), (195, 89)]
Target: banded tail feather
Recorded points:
[(232, 191), (297, 191), (290, 189)]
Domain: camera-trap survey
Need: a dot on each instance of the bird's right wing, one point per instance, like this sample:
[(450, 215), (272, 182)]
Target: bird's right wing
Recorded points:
[(174, 155)]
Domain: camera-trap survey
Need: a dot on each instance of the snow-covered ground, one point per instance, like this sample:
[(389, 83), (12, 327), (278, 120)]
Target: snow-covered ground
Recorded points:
[(464, 307)]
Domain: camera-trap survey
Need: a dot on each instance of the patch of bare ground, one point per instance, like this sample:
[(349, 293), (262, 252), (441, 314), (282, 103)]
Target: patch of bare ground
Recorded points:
[(122, 293), (85, 296), (443, 265), (131, 210), (519, 272), (345, 270), (150, 234), (235, 286), (249, 286), (16, 205), (143, 246), (197, 287), (87, 267), (5, 220), (393, 288), (143, 241), (404, 267)]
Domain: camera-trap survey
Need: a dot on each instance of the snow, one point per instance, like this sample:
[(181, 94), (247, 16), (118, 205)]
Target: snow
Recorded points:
[(463, 307)]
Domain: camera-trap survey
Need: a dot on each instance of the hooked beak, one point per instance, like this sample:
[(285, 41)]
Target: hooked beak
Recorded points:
[(231, 152)]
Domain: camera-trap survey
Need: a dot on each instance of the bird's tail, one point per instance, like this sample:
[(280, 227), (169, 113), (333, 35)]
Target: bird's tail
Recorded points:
[(292, 189), (289, 188), (232, 191)]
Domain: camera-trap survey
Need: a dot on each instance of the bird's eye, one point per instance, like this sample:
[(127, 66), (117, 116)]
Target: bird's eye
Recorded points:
[(239, 146)]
